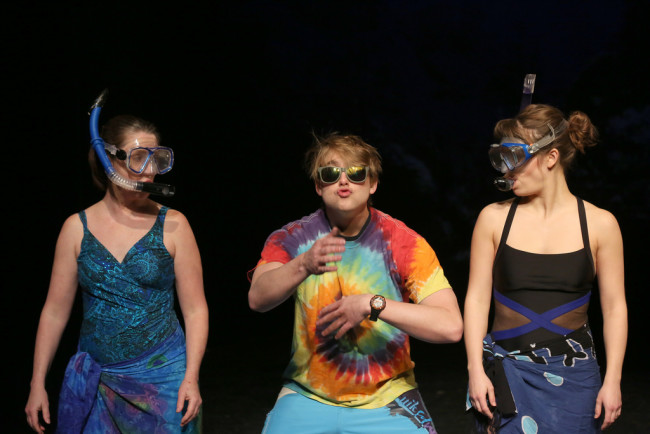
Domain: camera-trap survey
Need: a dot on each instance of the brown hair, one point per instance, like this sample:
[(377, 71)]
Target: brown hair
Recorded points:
[(350, 147), (113, 132), (532, 123)]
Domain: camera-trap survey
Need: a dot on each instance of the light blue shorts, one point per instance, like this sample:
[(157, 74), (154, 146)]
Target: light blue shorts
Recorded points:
[(295, 413)]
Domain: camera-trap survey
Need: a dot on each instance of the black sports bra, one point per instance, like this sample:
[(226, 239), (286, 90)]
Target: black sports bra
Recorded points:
[(541, 286)]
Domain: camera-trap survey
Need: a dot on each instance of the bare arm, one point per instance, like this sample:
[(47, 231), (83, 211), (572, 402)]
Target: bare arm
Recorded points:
[(54, 318), (191, 297), (272, 283), (609, 265), (435, 319), (477, 307)]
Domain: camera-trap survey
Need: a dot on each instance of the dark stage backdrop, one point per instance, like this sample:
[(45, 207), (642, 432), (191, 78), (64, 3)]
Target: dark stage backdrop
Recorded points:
[(238, 88)]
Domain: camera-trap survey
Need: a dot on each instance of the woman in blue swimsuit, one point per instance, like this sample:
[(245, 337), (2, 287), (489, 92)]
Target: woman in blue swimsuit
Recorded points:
[(136, 369), (537, 255)]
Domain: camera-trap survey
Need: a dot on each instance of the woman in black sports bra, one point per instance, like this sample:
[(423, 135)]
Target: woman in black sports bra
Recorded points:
[(538, 255)]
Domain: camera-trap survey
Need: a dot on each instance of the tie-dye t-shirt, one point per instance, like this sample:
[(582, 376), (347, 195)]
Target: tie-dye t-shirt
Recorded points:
[(371, 365)]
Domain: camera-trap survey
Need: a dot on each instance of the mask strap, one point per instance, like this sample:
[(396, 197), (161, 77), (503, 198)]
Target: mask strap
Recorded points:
[(549, 138)]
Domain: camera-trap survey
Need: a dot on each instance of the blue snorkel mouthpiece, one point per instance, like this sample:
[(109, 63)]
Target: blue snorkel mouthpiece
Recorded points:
[(99, 146), (502, 183)]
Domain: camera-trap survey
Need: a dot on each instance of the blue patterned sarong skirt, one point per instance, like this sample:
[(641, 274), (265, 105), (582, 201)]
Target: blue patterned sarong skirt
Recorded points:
[(550, 389), (134, 396)]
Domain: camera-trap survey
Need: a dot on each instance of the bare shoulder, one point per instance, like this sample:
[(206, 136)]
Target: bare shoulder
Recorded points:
[(70, 236), (496, 208), (494, 214), (176, 224), (72, 226), (176, 217), (599, 220), (603, 231)]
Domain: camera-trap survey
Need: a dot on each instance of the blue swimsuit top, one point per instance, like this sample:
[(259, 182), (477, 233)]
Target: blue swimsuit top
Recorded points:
[(541, 287), (128, 306)]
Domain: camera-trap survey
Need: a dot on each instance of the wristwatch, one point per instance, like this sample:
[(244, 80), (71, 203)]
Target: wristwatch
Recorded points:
[(377, 304)]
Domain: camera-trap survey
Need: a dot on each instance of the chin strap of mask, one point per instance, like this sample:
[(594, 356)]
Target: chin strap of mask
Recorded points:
[(99, 146), (502, 183)]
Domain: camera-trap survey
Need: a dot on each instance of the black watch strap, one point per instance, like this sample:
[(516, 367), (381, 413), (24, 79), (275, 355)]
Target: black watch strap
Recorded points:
[(377, 304)]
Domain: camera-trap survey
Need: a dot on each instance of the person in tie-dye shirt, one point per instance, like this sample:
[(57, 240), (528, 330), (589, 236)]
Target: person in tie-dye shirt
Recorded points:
[(350, 364)]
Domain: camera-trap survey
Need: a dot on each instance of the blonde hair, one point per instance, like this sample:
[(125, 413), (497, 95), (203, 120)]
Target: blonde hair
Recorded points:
[(350, 147)]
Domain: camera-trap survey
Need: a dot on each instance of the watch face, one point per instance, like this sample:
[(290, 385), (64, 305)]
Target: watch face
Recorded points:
[(378, 302)]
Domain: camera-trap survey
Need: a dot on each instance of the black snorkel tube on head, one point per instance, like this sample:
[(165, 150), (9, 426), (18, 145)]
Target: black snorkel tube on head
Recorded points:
[(99, 146), (503, 183)]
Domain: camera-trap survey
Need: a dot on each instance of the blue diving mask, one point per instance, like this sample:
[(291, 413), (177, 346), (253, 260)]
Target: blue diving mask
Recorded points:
[(161, 158), (512, 153)]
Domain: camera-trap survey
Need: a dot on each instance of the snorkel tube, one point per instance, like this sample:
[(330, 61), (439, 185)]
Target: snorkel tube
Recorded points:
[(529, 88), (502, 183), (99, 146)]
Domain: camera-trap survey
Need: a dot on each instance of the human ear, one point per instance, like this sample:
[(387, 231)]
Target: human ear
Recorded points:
[(552, 158), (373, 186)]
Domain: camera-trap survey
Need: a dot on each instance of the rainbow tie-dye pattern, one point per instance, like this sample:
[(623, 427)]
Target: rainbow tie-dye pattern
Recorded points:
[(371, 365)]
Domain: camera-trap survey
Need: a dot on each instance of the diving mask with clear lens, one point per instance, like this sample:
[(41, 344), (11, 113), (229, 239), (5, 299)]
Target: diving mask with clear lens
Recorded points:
[(138, 158), (512, 153)]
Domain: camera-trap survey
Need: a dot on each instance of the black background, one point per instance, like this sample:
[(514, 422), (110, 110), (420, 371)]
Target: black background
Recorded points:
[(237, 88)]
